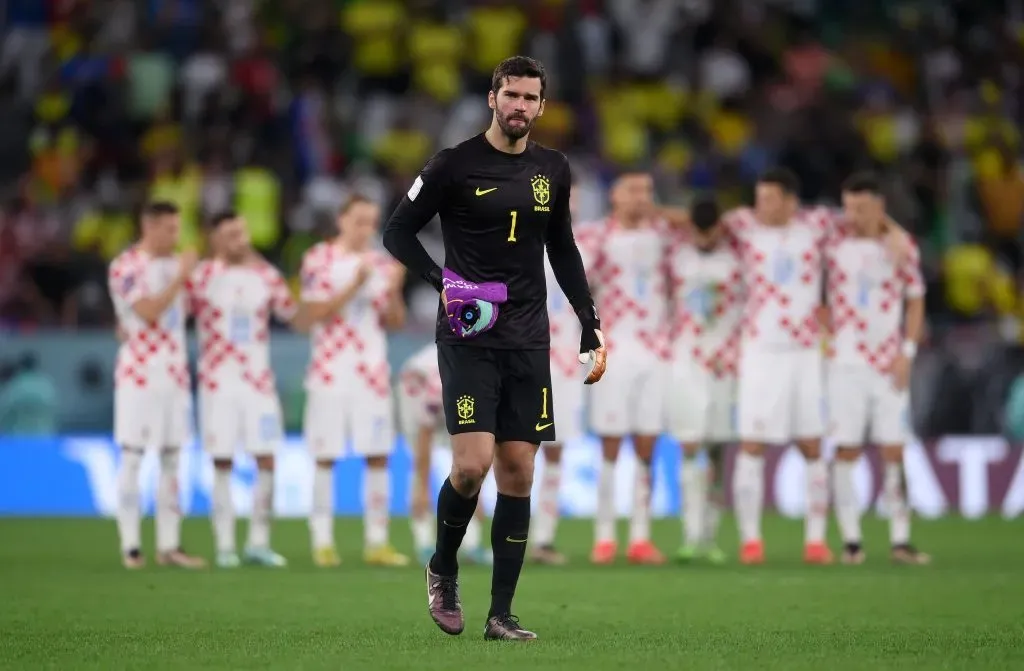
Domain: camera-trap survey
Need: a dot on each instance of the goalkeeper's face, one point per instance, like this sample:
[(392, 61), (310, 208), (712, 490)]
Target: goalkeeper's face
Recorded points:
[(516, 105), (358, 224)]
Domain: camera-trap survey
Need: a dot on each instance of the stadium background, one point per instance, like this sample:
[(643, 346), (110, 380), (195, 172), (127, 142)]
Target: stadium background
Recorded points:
[(283, 108)]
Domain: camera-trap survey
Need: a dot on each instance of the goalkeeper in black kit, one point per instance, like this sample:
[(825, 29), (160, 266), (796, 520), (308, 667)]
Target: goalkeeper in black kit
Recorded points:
[(501, 199)]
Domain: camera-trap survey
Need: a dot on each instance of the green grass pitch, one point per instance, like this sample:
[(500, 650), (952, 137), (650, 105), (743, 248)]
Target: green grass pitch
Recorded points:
[(66, 603)]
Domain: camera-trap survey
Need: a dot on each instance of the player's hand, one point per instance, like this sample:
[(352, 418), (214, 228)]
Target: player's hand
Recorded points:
[(187, 262), (592, 351), (362, 273), (900, 372)]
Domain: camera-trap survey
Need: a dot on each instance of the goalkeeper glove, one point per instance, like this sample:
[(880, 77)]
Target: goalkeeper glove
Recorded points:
[(472, 308), (592, 349)]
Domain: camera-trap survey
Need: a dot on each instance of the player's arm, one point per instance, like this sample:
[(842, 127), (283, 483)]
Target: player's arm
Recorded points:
[(417, 208), (567, 265), (149, 308), (318, 302), (393, 313)]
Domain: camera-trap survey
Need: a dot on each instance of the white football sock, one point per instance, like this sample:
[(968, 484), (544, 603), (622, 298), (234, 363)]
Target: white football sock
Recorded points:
[(847, 506), (712, 517), (748, 492), (604, 521), (321, 517), (695, 499), (262, 509), (223, 511), (474, 534), (896, 504), (816, 519), (545, 521), (129, 507), (640, 520), (168, 507), (423, 531), (376, 497)]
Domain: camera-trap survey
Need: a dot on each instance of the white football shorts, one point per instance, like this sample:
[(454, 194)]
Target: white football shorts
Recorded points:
[(629, 399), (334, 417), (243, 418), (568, 402), (780, 394), (151, 418), (700, 407), (865, 408)]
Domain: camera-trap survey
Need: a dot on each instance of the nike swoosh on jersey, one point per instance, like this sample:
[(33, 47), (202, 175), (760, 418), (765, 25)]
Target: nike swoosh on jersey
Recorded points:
[(481, 192), (541, 427)]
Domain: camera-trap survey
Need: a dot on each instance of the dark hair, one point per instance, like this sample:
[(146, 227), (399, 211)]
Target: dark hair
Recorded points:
[(863, 182), (519, 66), (159, 208), (783, 178), (705, 214), (222, 217)]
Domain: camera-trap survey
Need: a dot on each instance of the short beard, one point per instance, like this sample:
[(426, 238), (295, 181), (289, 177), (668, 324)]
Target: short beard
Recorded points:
[(514, 132)]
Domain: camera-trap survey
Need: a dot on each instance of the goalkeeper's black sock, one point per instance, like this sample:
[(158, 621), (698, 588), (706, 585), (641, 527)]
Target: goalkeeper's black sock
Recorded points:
[(454, 511), (509, 532)]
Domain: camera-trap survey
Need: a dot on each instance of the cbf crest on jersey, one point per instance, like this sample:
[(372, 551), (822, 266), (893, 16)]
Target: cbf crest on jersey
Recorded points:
[(541, 193)]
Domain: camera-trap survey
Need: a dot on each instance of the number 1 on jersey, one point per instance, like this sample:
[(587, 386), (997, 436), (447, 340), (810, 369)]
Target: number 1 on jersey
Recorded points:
[(512, 230)]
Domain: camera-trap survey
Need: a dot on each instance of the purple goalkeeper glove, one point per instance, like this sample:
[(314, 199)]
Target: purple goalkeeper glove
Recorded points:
[(471, 308)]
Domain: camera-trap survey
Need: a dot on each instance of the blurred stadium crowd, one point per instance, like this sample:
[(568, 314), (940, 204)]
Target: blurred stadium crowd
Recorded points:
[(281, 108)]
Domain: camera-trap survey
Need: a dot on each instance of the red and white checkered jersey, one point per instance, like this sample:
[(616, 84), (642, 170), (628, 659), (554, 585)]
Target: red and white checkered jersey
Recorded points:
[(866, 295), (707, 305), (233, 305), (628, 273), (349, 347), (565, 327), (421, 383), (783, 274), (152, 355)]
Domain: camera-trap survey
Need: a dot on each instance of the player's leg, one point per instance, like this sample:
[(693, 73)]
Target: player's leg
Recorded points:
[(470, 384), (648, 414), (263, 433), (420, 517), (807, 408), (133, 424), (474, 550), (762, 421), (176, 422), (848, 399), (220, 429), (721, 432), (610, 421), (324, 425), (525, 418), (419, 436), (373, 438), (567, 392), (687, 411), (890, 427)]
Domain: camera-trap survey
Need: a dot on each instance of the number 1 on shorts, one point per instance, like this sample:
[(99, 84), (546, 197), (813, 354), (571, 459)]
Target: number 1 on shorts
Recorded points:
[(544, 403), (512, 230)]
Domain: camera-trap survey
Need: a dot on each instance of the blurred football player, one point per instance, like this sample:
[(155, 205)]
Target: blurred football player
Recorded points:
[(151, 380), (627, 264), (707, 304), (421, 414), (234, 294), (876, 307), (353, 294)]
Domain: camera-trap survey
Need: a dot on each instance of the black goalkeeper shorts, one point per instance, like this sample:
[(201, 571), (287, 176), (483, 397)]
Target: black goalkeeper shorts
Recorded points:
[(500, 391)]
